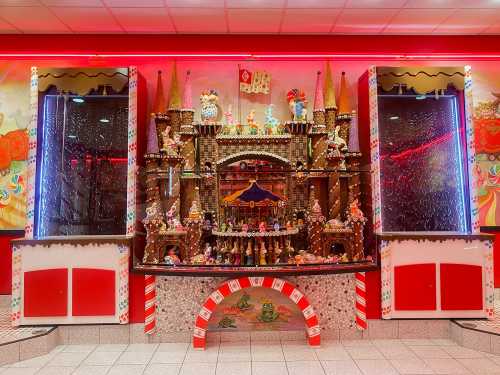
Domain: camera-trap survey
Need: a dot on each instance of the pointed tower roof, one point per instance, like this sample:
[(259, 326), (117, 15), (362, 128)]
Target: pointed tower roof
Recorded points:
[(159, 104), (344, 99), (152, 146), (174, 96), (319, 104), (187, 99), (329, 89)]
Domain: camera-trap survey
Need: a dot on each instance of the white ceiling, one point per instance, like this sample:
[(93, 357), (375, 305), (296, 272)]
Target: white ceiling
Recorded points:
[(251, 16)]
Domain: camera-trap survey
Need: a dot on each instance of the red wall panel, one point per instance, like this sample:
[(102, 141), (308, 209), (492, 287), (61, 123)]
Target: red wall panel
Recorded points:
[(461, 287), (46, 293), (93, 292), (136, 297), (6, 260), (415, 287), (373, 295)]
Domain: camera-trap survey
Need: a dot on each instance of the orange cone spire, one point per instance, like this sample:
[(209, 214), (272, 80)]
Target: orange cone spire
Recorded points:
[(344, 100), (174, 94), (329, 89), (159, 103)]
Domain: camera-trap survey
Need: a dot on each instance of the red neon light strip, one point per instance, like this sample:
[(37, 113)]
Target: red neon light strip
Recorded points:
[(409, 56), (406, 153)]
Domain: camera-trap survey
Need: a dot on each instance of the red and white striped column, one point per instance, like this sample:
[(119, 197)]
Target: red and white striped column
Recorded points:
[(149, 304), (361, 301)]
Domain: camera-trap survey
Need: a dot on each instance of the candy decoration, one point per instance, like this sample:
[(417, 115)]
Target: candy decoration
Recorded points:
[(16, 184), (187, 100), (232, 286), (149, 304), (360, 301), (4, 198)]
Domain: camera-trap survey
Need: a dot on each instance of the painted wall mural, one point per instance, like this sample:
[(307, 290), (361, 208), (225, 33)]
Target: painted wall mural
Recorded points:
[(14, 117), (256, 309), (223, 75)]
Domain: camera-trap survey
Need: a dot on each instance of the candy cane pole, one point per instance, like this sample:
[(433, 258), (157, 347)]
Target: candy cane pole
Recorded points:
[(360, 301), (149, 304)]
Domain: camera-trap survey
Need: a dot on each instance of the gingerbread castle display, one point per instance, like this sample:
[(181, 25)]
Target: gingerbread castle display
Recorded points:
[(221, 192)]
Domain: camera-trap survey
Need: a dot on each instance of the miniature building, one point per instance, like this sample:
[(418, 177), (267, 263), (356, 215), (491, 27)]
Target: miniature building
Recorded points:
[(251, 185)]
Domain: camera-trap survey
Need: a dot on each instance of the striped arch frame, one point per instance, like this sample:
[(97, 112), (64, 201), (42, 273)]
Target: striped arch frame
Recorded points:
[(232, 286)]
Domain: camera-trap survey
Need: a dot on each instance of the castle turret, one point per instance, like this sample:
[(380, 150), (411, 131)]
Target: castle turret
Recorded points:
[(329, 100), (316, 222), (174, 101), (194, 224), (187, 130), (344, 112)]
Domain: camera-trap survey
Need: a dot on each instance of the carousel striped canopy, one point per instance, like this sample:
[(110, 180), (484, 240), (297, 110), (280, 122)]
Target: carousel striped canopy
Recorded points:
[(253, 194)]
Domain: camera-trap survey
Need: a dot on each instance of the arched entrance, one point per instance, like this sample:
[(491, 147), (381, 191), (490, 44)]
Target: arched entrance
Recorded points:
[(231, 286)]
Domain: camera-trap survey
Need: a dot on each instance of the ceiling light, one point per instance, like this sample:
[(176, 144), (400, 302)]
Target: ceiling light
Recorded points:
[(420, 97), (72, 136), (394, 118), (78, 100), (104, 120)]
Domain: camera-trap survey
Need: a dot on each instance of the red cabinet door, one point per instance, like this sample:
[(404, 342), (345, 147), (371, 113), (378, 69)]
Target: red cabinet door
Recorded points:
[(93, 292), (46, 293), (461, 287), (415, 287)]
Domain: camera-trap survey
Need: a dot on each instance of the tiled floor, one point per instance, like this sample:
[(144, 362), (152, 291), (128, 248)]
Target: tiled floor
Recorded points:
[(491, 325), (9, 334), (356, 357)]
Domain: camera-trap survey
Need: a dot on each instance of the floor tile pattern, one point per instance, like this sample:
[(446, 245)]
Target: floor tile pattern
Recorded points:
[(350, 357)]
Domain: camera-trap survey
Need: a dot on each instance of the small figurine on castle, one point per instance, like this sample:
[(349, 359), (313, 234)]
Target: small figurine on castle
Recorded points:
[(230, 123), (297, 104), (198, 259), (170, 217), (244, 227), (209, 106), (170, 145), (271, 124), (354, 211), (262, 254), (172, 258), (316, 208), (208, 251), (223, 227), (239, 129), (276, 226), (262, 227), (194, 210), (252, 125), (230, 226), (281, 128), (289, 225), (249, 254), (336, 141)]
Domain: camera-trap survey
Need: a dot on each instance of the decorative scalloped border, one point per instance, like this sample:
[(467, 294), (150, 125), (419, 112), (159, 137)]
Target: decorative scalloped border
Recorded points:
[(471, 151), (231, 286), (132, 150), (386, 279), (16, 287), (32, 144), (123, 291), (374, 149)]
